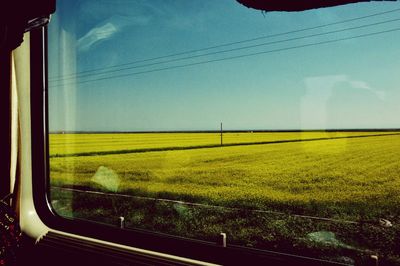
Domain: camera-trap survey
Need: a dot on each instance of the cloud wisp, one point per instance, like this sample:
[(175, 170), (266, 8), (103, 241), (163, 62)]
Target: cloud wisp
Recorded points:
[(109, 27), (363, 85), (96, 35)]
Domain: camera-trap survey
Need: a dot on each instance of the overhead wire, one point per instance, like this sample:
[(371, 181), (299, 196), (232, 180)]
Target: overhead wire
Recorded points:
[(230, 50), (233, 57), (76, 74)]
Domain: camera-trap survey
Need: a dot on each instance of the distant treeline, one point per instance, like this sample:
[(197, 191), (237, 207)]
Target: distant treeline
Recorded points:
[(232, 131)]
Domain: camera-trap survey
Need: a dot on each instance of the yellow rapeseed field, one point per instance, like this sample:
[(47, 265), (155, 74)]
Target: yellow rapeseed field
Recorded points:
[(274, 191), (332, 175)]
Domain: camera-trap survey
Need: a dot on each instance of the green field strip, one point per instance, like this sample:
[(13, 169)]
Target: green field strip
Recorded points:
[(202, 205), (173, 148)]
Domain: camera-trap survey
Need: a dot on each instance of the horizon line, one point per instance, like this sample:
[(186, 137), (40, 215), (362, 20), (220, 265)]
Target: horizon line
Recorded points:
[(218, 131)]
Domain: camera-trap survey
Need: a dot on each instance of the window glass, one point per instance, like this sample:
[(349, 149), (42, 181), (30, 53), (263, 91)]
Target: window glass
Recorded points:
[(196, 118)]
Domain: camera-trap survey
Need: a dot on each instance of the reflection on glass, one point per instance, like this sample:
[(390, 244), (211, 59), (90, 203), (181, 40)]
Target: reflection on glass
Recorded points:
[(195, 118)]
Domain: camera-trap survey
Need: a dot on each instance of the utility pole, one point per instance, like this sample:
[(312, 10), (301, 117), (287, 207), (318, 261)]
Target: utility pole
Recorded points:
[(221, 135)]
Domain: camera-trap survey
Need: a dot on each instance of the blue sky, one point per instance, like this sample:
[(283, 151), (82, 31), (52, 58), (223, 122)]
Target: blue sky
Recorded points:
[(353, 83)]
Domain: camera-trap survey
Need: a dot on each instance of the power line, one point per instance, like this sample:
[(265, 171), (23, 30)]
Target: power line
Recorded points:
[(235, 57), (231, 50), (227, 44)]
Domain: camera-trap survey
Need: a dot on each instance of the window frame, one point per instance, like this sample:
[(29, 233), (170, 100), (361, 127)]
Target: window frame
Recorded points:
[(159, 242), (5, 118)]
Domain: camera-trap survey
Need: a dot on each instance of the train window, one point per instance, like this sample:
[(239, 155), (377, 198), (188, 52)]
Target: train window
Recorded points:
[(212, 122)]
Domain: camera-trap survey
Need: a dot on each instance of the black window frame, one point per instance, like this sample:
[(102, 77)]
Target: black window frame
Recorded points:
[(158, 242)]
